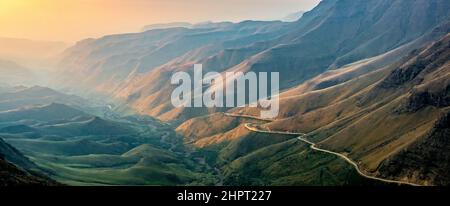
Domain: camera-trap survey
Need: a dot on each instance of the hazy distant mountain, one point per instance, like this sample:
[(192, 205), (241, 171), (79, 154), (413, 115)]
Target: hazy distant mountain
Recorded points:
[(51, 112), (13, 74), (201, 25), (18, 97), (166, 26), (137, 67), (333, 34), (109, 62), (425, 160), (293, 16), (29, 52), (210, 24)]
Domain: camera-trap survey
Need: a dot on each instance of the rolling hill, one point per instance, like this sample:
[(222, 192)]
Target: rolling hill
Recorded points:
[(21, 97), (47, 113), (78, 148)]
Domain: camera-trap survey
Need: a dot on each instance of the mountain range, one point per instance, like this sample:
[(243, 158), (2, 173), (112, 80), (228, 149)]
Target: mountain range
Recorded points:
[(318, 42), (365, 81)]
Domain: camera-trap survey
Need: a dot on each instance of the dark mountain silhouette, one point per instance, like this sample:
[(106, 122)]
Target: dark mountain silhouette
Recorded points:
[(16, 169)]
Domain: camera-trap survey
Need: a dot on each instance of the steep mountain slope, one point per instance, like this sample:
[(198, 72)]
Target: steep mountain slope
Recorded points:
[(105, 63), (339, 32), (393, 125), (15, 169), (425, 160), (136, 68), (10, 175), (11, 154), (335, 33)]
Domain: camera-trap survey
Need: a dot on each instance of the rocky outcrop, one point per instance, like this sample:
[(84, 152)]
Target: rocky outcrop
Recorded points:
[(419, 64), (419, 100)]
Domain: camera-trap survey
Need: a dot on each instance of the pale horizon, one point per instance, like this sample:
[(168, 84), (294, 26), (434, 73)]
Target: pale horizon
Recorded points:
[(70, 21)]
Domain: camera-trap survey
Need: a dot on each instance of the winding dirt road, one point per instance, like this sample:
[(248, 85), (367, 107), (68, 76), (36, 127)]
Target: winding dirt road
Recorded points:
[(313, 146)]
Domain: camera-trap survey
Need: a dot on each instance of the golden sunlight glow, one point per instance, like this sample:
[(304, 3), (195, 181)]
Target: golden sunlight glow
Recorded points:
[(72, 20), (8, 6)]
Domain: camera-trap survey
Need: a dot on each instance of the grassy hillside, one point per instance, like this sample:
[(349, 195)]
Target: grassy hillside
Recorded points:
[(376, 118), (17, 170), (143, 165), (291, 163), (77, 148), (384, 121)]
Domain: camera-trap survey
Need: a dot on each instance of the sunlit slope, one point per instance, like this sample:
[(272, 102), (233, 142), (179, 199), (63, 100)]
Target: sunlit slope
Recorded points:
[(385, 118), (291, 163), (375, 118), (313, 45)]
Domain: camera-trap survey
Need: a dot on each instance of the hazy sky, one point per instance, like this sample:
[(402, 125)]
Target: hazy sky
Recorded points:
[(72, 20)]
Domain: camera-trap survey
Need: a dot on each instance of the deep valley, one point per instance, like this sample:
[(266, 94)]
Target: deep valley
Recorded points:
[(364, 100)]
